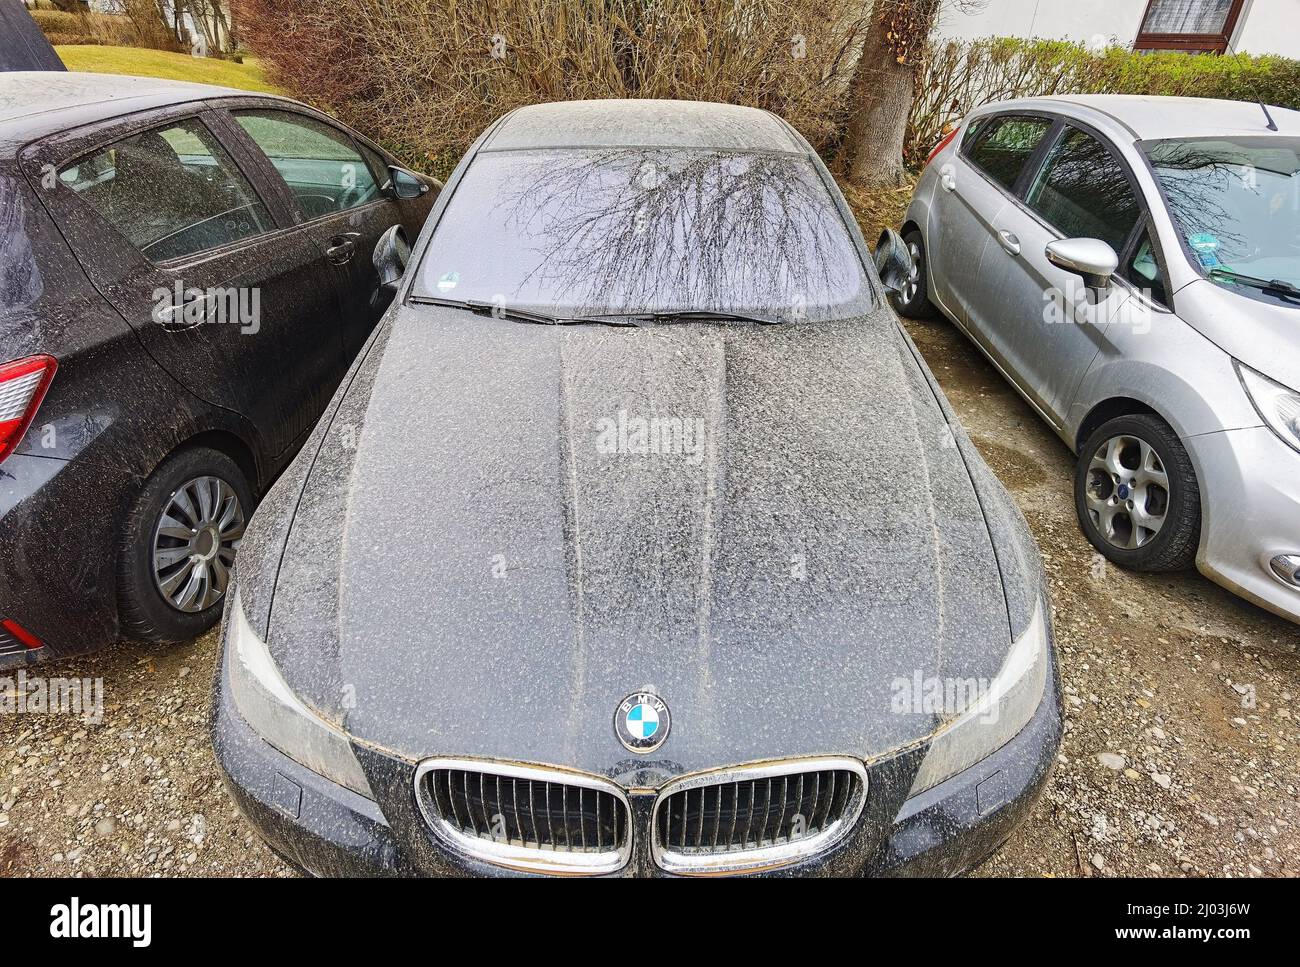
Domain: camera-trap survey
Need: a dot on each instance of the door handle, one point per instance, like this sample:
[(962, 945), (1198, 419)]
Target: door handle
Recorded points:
[(187, 315), (1009, 242), (947, 178), (341, 247)]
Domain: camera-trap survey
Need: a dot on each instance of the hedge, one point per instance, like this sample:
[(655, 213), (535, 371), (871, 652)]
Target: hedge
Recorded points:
[(958, 77)]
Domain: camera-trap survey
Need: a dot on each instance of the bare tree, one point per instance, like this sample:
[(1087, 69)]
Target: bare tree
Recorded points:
[(880, 96)]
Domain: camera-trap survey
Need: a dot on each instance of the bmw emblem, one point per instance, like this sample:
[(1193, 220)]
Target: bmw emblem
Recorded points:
[(642, 722)]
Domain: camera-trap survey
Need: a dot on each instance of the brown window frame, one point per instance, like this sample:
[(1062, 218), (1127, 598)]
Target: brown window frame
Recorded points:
[(1218, 43)]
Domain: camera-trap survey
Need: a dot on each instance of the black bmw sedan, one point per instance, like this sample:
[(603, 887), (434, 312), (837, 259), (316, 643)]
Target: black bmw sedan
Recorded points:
[(186, 275), (638, 541)]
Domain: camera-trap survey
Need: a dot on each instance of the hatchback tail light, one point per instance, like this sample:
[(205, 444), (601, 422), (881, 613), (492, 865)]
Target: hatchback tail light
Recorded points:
[(15, 639), (23, 383), (947, 140)]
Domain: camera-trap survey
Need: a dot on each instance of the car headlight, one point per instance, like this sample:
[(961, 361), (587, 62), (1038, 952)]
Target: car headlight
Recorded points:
[(1279, 406), (1001, 710), (267, 703)]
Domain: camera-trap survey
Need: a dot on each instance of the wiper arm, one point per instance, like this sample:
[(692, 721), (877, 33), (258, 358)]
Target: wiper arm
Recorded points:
[(1278, 286), (492, 309), (522, 315), (696, 315)]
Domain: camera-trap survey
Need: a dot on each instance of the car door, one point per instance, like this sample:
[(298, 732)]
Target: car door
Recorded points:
[(1049, 327), (221, 288), (973, 190), (339, 199)]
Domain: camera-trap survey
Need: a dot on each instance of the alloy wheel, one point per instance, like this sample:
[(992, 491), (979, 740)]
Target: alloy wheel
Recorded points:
[(913, 282), (1127, 492), (195, 541)]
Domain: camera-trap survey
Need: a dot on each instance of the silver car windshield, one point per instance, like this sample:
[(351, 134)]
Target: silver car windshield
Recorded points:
[(646, 231), (1236, 203)]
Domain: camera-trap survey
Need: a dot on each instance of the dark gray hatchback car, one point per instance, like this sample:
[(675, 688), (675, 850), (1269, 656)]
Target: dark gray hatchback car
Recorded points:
[(638, 541), (187, 273)]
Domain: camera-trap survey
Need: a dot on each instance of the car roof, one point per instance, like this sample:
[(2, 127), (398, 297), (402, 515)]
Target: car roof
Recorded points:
[(36, 103), (617, 123), (1153, 117)]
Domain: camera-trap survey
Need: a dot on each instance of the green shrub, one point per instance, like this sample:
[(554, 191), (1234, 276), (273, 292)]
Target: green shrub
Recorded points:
[(956, 78)]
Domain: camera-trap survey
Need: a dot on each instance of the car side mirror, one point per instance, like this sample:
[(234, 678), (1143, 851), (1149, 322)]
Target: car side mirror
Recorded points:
[(392, 253), (893, 261), (1089, 257), (404, 184)]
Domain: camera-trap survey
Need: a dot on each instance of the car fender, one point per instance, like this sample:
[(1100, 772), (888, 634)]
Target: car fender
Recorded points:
[(1185, 379)]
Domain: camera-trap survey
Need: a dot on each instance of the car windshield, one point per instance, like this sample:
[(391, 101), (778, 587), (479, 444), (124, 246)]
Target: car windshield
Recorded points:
[(625, 232), (1236, 203)]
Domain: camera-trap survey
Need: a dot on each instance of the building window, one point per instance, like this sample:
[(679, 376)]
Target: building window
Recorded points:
[(1194, 26)]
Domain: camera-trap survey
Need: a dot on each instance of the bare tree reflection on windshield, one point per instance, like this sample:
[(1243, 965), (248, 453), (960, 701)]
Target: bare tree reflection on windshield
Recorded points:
[(1235, 203), (653, 231)]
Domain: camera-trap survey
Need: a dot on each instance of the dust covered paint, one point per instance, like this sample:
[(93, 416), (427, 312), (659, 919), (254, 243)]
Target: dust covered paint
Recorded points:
[(505, 527), (116, 192)]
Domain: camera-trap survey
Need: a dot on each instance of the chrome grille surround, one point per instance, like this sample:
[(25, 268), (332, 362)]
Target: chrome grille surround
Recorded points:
[(771, 853), (521, 852)]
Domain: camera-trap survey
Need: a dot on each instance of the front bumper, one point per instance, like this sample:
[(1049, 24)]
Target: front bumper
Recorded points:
[(1250, 482), (326, 830)]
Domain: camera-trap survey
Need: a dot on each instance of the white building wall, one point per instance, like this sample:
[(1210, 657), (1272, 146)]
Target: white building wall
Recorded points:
[(1265, 26), (1269, 27)]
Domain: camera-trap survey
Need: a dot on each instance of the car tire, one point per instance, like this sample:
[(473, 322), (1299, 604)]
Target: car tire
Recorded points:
[(1137, 496), (172, 588), (914, 302)]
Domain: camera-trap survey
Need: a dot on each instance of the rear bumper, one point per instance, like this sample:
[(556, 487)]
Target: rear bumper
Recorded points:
[(326, 830), (58, 553), (1250, 482)]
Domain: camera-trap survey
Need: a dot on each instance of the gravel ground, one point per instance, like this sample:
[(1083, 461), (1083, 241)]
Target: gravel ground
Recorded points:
[(1180, 753)]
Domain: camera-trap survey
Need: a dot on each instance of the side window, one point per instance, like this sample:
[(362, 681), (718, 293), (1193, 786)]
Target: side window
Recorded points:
[(172, 191), (1082, 191), (321, 165), (378, 166), (1143, 270), (972, 134), (1002, 145)]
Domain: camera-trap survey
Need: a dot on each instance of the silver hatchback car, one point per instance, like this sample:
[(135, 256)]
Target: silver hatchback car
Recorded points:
[(1132, 266)]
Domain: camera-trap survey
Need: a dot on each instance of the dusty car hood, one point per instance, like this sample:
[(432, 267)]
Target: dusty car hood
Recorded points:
[(471, 572), (1265, 337)]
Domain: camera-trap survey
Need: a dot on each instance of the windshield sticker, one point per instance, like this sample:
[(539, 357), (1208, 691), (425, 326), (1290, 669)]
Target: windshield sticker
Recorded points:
[(448, 281), (1206, 247)]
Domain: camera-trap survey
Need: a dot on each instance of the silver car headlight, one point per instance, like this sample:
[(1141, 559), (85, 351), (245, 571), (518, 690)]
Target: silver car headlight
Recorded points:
[(1001, 710), (267, 703), (1278, 405)]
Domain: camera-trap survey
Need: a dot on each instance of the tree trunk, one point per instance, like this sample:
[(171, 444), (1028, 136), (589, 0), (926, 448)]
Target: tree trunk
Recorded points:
[(882, 91)]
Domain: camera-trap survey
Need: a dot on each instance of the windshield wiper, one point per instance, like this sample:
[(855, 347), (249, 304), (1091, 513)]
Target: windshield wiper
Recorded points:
[(1276, 286), (694, 315), (523, 315), (603, 319), (492, 309)]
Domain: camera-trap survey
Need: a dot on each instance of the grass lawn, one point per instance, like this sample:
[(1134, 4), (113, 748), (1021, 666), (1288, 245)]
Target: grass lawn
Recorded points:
[(161, 63)]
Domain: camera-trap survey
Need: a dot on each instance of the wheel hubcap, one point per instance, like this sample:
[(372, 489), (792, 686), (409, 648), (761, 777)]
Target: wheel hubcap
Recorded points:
[(1127, 492), (195, 542), (912, 284)]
